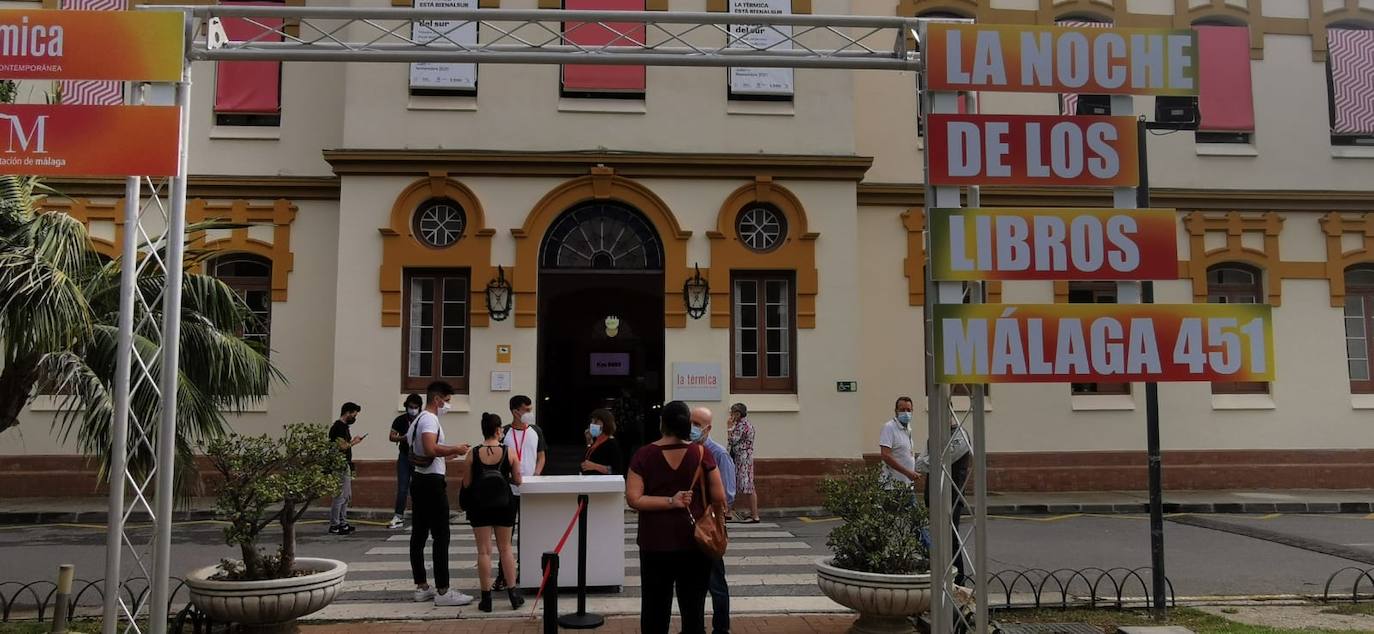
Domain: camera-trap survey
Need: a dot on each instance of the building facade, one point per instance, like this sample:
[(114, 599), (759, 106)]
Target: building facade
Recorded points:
[(383, 207)]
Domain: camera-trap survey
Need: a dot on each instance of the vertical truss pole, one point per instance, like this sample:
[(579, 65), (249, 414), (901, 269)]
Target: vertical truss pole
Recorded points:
[(943, 547), (980, 461), (119, 423), (171, 349)]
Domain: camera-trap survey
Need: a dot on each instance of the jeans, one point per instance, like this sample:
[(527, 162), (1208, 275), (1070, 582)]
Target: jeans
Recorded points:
[(429, 518), (338, 511), (720, 598), (688, 570), (403, 471)]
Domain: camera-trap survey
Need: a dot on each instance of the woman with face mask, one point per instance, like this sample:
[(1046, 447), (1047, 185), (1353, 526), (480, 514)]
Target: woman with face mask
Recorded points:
[(399, 427), (603, 455)]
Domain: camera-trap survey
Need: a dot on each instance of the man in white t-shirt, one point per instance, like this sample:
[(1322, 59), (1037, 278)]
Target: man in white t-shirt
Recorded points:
[(894, 445), (522, 441), (429, 497)]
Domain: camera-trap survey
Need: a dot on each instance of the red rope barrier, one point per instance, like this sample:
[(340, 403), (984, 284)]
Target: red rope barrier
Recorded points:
[(558, 550)]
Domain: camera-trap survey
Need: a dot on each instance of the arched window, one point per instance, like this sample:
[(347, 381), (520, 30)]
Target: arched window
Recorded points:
[(602, 235), (1235, 283), (251, 277), (1359, 326)]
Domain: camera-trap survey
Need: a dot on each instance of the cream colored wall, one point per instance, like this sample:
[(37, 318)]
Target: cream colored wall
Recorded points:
[(891, 339), (302, 346), (367, 357), (519, 108)]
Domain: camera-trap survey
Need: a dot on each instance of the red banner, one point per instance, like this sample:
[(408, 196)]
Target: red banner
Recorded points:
[(48, 140), (1032, 150)]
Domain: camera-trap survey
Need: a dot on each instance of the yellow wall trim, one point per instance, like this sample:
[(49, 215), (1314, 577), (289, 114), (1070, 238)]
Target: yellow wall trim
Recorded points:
[(797, 252), (402, 250), (601, 183)]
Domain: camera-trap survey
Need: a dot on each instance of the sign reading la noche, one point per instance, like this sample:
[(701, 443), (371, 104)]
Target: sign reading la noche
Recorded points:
[(1053, 244), (1045, 150), (109, 45), (1047, 343), (57, 140), (1059, 59)]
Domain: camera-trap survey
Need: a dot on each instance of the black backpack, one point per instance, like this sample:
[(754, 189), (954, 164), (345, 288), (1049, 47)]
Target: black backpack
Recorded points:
[(491, 489)]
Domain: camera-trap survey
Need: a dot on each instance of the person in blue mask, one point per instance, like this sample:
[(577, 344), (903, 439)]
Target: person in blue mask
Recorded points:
[(894, 445), (603, 455)]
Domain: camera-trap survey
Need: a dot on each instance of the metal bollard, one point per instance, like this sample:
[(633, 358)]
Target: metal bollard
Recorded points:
[(582, 619), (65, 575), (549, 562)]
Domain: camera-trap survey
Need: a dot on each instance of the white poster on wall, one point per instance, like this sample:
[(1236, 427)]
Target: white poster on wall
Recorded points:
[(696, 382), (444, 76), (761, 81)]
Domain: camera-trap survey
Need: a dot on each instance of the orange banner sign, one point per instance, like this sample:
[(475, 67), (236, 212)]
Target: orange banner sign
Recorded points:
[(112, 45), (1053, 244), (45, 140), (1040, 150), (1050, 343), (1057, 59)]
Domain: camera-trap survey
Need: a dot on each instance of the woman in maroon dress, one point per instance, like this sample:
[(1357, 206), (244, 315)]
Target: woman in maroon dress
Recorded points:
[(659, 485)]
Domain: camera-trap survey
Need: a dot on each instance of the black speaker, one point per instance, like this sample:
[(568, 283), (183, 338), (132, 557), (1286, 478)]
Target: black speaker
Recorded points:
[(1179, 112), (1093, 105)]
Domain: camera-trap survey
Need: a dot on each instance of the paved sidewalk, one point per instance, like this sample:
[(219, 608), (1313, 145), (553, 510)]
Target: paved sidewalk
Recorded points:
[(92, 510), (784, 624)]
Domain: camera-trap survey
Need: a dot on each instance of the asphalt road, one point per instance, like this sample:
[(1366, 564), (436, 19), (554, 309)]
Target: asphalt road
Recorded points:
[(1200, 561)]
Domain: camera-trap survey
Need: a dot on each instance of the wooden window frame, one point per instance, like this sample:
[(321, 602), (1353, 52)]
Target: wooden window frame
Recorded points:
[(242, 285), (763, 384), (1254, 290), (1097, 291), (1365, 294), (419, 384)]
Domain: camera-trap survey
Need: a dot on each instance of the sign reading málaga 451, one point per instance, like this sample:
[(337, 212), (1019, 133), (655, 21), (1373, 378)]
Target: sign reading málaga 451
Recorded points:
[(1057, 59), (108, 45), (992, 343)]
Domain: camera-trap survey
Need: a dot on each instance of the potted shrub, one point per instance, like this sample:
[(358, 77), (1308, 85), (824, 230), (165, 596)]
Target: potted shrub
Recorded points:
[(264, 481), (880, 566)]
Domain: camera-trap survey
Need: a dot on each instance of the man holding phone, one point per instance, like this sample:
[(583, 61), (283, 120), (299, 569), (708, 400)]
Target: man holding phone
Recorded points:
[(340, 435)]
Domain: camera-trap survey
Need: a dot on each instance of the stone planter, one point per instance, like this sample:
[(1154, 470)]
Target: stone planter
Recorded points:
[(884, 602), (269, 605)]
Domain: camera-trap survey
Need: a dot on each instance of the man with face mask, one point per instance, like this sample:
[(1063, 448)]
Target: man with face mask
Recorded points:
[(894, 444), (525, 442), (399, 427), (429, 494), (344, 439)]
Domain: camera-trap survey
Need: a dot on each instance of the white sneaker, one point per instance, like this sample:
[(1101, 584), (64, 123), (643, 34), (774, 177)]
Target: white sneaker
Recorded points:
[(397, 522), (424, 595), (452, 598)]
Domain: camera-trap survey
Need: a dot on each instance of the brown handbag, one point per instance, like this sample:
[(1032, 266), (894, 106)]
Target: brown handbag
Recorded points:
[(709, 529)]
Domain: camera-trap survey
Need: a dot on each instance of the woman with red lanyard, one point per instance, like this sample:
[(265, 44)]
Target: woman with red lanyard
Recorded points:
[(603, 455)]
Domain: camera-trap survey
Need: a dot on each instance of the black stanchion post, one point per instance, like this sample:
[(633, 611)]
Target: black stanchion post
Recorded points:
[(550, 563), (582, 620)]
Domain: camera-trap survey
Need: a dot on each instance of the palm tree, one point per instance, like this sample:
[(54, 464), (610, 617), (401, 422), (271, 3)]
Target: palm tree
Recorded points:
[(59, 309)]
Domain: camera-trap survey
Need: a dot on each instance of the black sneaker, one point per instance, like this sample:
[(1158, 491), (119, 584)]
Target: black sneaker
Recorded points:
[(499, 583), (336, 530), (347, 529)]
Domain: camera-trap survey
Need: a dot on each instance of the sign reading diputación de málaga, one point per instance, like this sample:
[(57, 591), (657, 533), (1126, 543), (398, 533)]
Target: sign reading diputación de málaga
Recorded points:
[(89, 140), (994, 343)]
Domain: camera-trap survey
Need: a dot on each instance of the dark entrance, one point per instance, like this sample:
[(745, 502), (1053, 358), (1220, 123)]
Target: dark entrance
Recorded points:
[(600, 328)]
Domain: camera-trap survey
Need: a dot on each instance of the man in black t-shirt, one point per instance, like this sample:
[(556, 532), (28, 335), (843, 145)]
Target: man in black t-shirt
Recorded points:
[(399, 428), (342, 438)]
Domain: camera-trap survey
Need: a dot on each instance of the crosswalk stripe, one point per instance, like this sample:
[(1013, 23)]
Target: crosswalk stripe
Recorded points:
[(467, 536), (631, 581), (730, 561), (629, 548)]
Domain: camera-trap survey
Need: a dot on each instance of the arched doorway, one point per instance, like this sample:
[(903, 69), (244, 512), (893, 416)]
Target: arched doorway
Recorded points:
[(600, 327)]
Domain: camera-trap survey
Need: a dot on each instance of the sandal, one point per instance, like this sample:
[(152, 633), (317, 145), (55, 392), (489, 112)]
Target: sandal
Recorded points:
[(752, 520)]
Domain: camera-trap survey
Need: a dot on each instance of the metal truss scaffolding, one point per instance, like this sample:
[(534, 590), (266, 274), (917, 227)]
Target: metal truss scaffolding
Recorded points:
[(154, 227)]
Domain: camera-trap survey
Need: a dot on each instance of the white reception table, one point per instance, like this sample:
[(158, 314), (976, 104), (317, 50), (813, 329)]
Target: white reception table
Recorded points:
[(547, 504)]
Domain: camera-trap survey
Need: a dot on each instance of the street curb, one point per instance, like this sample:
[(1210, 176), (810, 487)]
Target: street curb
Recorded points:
[(382, 515)]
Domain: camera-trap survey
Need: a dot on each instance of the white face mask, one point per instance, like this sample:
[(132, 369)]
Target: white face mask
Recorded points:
[(527, 418), (443, 409), (412, 411)]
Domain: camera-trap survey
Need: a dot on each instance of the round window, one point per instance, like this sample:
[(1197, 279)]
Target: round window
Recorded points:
[(761, 227), (439, 222)]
